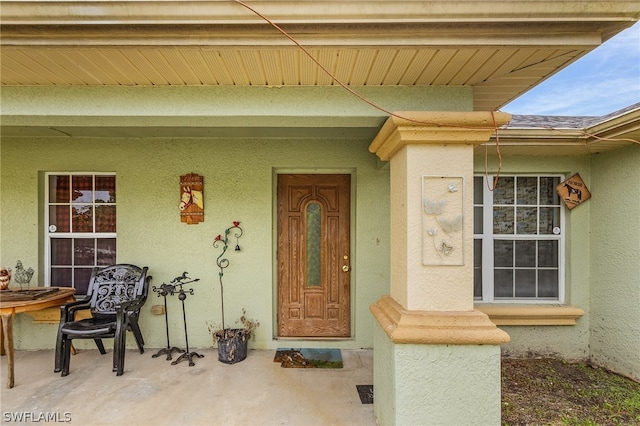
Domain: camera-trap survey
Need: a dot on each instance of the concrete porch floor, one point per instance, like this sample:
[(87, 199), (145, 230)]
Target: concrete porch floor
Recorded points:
[(256, 391)]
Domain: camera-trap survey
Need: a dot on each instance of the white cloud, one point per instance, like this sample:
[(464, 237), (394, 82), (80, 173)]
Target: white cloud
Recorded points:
[(603, 81)]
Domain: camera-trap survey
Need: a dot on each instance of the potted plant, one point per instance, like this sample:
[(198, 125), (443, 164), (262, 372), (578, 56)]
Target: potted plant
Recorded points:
[(232, 342)]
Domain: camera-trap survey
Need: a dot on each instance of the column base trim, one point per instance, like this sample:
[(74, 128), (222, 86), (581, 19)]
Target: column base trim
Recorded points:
[(436, 327)]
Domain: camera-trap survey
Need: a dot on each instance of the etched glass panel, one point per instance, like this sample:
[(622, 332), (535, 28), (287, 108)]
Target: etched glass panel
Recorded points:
[(313, 244)]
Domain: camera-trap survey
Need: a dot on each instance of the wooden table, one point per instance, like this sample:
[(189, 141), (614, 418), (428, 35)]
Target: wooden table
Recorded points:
[(9, 306)]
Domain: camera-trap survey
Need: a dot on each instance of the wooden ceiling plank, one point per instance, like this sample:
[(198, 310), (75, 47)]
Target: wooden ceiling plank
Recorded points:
[(130, 63), (380, 67), (435, 66), (154, 64), (399, 66), (253, 66), (329, 60), (417, 66), (46, 60), (273, 67), (21, 68), (361, 71), (185, 64), (104, 61), (451, 69), (91, 73), (290, 60), (233, 63), (216, 66), (346, 65)]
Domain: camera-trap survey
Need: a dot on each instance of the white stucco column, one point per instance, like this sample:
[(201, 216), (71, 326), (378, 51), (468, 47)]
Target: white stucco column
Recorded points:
[(436, 359)]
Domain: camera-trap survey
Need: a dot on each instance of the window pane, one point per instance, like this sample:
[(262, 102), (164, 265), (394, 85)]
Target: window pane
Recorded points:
[(59, 217), (548, 254), (59, 189), (105, 189), (528, 190), (61, 252), (477, 268), (525, 283), (61, 277), (81, 277), (503, 283), (527, 220), (477, 220), (82, 189), (478, 189), (548, 283), (503, 192), (83, 250), (82, 218), (105, 218), (503, 220), (313, 244), (526, 253), (106, 251), (548, 194), (503, 253), (549, 219)]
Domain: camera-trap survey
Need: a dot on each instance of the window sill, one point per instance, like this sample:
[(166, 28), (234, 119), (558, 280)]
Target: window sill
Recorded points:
[(531, 315)]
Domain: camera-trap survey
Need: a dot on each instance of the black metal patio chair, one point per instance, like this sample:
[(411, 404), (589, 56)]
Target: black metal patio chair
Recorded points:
[(114, 297)]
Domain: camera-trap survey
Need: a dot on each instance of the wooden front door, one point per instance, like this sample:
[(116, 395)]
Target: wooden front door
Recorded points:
[(314, 259)]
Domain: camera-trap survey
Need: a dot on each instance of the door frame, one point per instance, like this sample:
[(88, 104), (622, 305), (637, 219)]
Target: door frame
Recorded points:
[(274, 247)]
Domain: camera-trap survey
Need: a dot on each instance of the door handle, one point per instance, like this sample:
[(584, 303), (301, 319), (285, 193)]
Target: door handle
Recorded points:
[(345, 268)]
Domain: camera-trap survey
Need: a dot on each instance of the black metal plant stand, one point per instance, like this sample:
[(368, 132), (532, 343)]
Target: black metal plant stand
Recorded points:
[(182, 295), (164, 290)]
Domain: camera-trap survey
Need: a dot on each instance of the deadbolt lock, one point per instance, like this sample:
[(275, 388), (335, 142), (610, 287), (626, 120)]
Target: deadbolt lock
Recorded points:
[(345, 268)]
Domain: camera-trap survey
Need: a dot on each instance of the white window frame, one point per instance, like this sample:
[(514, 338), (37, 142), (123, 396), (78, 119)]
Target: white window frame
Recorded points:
[(488, 238), (53, 235)]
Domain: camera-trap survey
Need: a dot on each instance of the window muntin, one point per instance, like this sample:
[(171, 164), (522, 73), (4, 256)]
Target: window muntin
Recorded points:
[(518, 239), (81, 227)]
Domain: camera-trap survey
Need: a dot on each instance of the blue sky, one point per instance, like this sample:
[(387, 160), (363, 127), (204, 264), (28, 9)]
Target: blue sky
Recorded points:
[(603, 81)]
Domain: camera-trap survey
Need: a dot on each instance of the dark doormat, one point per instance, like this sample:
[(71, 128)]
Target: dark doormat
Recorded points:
[(309, 358), (366, 393)]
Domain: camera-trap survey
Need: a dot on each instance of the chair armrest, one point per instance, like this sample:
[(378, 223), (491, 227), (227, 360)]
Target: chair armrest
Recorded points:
[(130, 306), (68, 310)]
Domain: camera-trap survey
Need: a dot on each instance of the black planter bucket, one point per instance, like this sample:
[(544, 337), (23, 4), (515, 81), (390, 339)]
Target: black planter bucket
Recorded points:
[(232, 345)]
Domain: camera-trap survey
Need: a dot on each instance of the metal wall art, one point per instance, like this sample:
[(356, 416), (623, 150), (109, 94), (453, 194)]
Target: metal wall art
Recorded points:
[(442, 214), (191, 199), (573, 191)]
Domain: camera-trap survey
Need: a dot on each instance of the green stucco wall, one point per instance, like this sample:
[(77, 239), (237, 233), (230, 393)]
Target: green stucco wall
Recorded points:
[(615, 261), (467, 377), (238, 139), (238, 178)]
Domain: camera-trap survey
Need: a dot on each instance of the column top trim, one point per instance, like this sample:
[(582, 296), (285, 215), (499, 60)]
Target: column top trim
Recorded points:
[(437, 128)]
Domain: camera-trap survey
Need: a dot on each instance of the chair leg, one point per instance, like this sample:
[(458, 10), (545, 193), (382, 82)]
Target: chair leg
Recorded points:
[(59, 350), (135, 329), (100, 346), (66, 356), (58, 355), (119, 349)]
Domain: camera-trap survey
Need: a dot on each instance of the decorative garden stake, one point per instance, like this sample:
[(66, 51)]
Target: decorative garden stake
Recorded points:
[(222, 261), (165, 290), (182, 295), (232, 343)]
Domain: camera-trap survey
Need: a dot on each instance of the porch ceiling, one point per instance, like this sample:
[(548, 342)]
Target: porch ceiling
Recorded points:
[(500, 48)]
